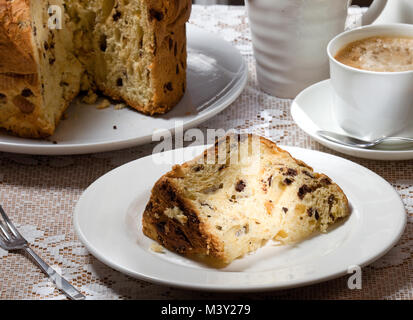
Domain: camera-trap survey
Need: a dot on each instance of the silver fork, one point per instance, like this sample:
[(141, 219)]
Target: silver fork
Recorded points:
[(11, 239)]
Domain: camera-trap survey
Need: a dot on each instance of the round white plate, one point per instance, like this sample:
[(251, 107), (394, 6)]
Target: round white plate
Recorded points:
[(312, 111), (108, 216), (217, 74)]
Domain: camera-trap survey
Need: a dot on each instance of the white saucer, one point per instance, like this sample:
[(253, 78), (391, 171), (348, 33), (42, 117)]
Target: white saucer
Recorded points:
[(108, 215), (217, 74), (311, 111)]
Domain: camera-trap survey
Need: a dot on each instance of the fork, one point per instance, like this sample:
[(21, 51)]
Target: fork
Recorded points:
[(11, 239)]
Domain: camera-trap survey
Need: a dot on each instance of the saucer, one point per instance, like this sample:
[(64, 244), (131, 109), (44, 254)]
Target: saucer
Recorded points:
[(312, 111)]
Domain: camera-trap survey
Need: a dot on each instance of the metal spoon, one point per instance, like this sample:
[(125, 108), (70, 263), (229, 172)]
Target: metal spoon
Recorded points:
[(355, 142)]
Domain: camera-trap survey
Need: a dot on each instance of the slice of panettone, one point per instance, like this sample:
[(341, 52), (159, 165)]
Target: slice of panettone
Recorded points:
[(238, 195)]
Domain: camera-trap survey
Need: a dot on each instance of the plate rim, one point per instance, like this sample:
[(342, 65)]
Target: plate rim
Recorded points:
[(373, 154), (218, 106), (243, 287)]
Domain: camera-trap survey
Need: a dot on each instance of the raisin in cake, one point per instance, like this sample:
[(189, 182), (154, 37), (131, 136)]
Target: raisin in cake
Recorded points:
[(131, 50), (222, 209)]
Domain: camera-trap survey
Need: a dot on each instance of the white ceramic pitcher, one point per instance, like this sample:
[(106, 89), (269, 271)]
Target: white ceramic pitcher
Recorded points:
[(290, 39), (400, 11)]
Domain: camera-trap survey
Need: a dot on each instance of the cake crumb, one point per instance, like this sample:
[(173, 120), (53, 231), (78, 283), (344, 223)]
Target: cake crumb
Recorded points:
[(120, 106), (104, 104), (156, 247), (90, 98)]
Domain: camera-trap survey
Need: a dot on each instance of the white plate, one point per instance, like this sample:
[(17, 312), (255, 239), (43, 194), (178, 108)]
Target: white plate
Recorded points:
[(311, 111), (107, 219), (217, 74)]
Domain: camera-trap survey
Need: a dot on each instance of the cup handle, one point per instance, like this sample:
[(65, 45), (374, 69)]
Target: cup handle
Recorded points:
[(374, 11)]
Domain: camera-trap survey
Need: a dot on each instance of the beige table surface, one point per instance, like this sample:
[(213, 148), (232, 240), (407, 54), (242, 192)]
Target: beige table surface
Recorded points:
[(40, 193)]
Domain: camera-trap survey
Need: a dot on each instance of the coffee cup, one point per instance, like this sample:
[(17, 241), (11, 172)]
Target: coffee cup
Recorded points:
[(371, 104)]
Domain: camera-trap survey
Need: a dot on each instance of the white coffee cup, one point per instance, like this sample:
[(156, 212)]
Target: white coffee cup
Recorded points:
[(368, 104), (289, 40)]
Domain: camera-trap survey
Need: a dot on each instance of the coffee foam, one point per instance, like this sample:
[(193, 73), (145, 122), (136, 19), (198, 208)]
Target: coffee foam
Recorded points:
[(380, 54)]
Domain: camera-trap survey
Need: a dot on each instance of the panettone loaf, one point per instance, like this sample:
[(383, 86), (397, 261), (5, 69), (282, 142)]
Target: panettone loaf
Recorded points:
[(135, 50), (39, 74), (131, 50), (220, 210)]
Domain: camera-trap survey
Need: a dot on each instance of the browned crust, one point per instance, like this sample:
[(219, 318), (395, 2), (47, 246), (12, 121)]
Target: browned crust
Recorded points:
[(167, 21), (17, 57), (170, 53), (16, 52), (192, 238), (18, 69)]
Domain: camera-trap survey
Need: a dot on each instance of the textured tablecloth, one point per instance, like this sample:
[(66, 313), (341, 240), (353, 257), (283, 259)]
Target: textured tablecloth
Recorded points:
[(41, 192)]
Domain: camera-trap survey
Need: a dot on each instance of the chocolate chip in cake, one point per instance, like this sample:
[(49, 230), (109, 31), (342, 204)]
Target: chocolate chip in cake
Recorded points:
[(177, 69), (103, 45), (222, 167), (219, 228), (171, 43), (316, 215), (291, 172), (326, 181), (117, 15), (168, 86), (119, 82), (198, 168), (154, 14), (3, 98), (285, 209), (304, 189), (52, 61), (27, 93), (310, 212), (269, 181), (240, 186), (288, 181), (46, 46), (308, 174)]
